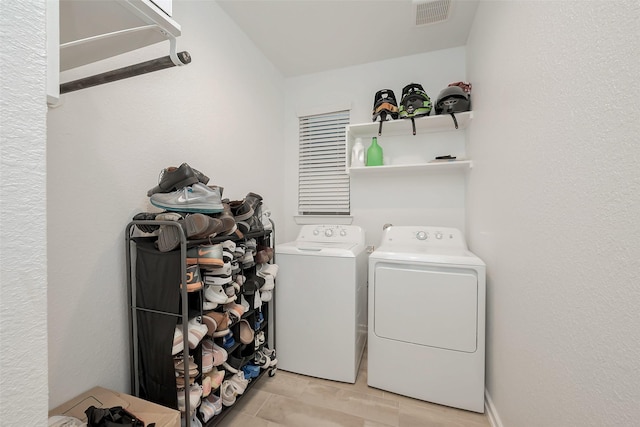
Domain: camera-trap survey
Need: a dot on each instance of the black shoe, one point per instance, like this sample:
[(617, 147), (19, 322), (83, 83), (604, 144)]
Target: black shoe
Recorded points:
[(172, 179), (246, 208), (145, 216)]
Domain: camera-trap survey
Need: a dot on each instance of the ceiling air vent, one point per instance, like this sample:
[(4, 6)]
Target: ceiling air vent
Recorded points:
[(430, 12)]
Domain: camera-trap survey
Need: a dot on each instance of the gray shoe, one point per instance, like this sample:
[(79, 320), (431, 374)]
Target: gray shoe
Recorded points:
[(197, 199), (174, 178)]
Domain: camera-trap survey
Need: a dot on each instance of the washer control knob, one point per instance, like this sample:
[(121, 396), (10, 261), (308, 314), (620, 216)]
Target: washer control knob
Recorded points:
[(343, 232), (438, 235), (421, 235), (328, 232), (316, 232)]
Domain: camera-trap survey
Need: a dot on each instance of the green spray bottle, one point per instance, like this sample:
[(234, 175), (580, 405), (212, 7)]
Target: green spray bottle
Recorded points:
[(374, 153)]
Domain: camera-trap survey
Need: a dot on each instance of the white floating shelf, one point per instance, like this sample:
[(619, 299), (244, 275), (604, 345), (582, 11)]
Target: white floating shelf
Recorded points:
[(428, 167), (427, 124)]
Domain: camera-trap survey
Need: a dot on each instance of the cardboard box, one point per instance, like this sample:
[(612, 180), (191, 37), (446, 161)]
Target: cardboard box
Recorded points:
[(104, 398)]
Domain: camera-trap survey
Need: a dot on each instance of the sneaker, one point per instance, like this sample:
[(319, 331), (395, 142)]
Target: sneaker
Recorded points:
[(216, 402), (233, 364), (207, 362), (206, 255), (217, 294), (228, 341), (206, 410), (251, 371), (217, 280), (146, 216), (271, 354), (262, 359), (197, 331), (216, 376), (178, 341), (211, 323), (226, 216), (228, 393), (197, 198), (235, 311), (220, 355), (178, 365), (194, 283), (195, 393), (245, 209), (180, 381), (206, 386), (259, 340), (225, 270), (246, 332), (222, 320), (240, 382), (174, 178)]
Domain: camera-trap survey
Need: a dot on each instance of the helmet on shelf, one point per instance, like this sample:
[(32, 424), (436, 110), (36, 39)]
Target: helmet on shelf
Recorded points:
[(385, 106), (453, 99), (415, 102)]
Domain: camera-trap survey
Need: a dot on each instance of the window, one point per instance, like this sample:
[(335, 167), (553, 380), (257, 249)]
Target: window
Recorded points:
[(323, 184)]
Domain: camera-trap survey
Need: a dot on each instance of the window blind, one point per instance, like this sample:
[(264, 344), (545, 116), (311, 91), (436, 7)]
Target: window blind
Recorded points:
[(323, 184)]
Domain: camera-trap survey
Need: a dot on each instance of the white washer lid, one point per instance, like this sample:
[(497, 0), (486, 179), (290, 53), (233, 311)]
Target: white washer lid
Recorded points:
[(339, 249)]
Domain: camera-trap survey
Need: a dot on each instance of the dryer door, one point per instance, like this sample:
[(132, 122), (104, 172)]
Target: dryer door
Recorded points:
[(428, 305)]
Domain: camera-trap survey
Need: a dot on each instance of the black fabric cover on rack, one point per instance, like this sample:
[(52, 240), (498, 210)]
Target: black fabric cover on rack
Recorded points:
[(157, 288)]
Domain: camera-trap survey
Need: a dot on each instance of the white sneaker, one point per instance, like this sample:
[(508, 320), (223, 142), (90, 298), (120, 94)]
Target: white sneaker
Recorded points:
[(215, 293), (228, 393), (197, 331)]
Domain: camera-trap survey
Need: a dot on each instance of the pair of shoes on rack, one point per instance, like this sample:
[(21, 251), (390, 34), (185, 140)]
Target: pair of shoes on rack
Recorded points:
[(195, 394), (197, 198), (233, 387), (265, 358), (179, 366), (196, 332), (251, 371), (195, 226), (222, 321), (194, 282), (173, 178), (206, 256), (210, 407), (218, 353)]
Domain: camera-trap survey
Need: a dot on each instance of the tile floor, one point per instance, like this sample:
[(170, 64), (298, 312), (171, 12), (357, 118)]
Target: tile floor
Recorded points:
[(289, 399)]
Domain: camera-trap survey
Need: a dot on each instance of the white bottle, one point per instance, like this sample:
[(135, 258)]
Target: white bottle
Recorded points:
[(357, 154)]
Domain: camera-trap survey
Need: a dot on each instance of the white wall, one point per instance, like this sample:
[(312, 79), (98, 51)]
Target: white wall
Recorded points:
[(397, 198), (23, 257), (553, 206), (222, 114)]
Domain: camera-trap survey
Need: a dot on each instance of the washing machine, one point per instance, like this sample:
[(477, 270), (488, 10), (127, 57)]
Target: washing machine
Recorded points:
[(321, 302), (426, 335)]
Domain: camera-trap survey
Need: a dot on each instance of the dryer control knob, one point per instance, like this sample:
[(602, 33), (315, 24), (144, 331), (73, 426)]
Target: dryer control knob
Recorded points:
[(316, 232), (421, 235), (343, 232), (438, 235), (328, 232)]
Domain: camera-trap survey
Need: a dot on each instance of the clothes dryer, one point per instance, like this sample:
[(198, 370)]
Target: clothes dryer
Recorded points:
[(321, 300), (427, 317)]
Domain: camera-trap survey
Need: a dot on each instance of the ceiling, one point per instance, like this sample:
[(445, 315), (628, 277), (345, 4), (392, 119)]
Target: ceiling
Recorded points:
[(308, 36)]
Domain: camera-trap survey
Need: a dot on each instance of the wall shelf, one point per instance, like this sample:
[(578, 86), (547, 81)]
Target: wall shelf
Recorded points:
[(402, 128), (427, 124), (427, 167)]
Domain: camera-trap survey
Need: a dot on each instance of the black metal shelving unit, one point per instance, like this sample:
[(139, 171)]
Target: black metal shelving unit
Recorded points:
[(183, 311)]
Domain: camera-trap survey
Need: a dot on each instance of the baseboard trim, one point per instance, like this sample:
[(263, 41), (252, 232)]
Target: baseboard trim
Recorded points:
[(492, 412)]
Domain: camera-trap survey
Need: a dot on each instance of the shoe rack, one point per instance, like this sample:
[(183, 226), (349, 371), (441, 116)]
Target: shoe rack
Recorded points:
[(145, 339)]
